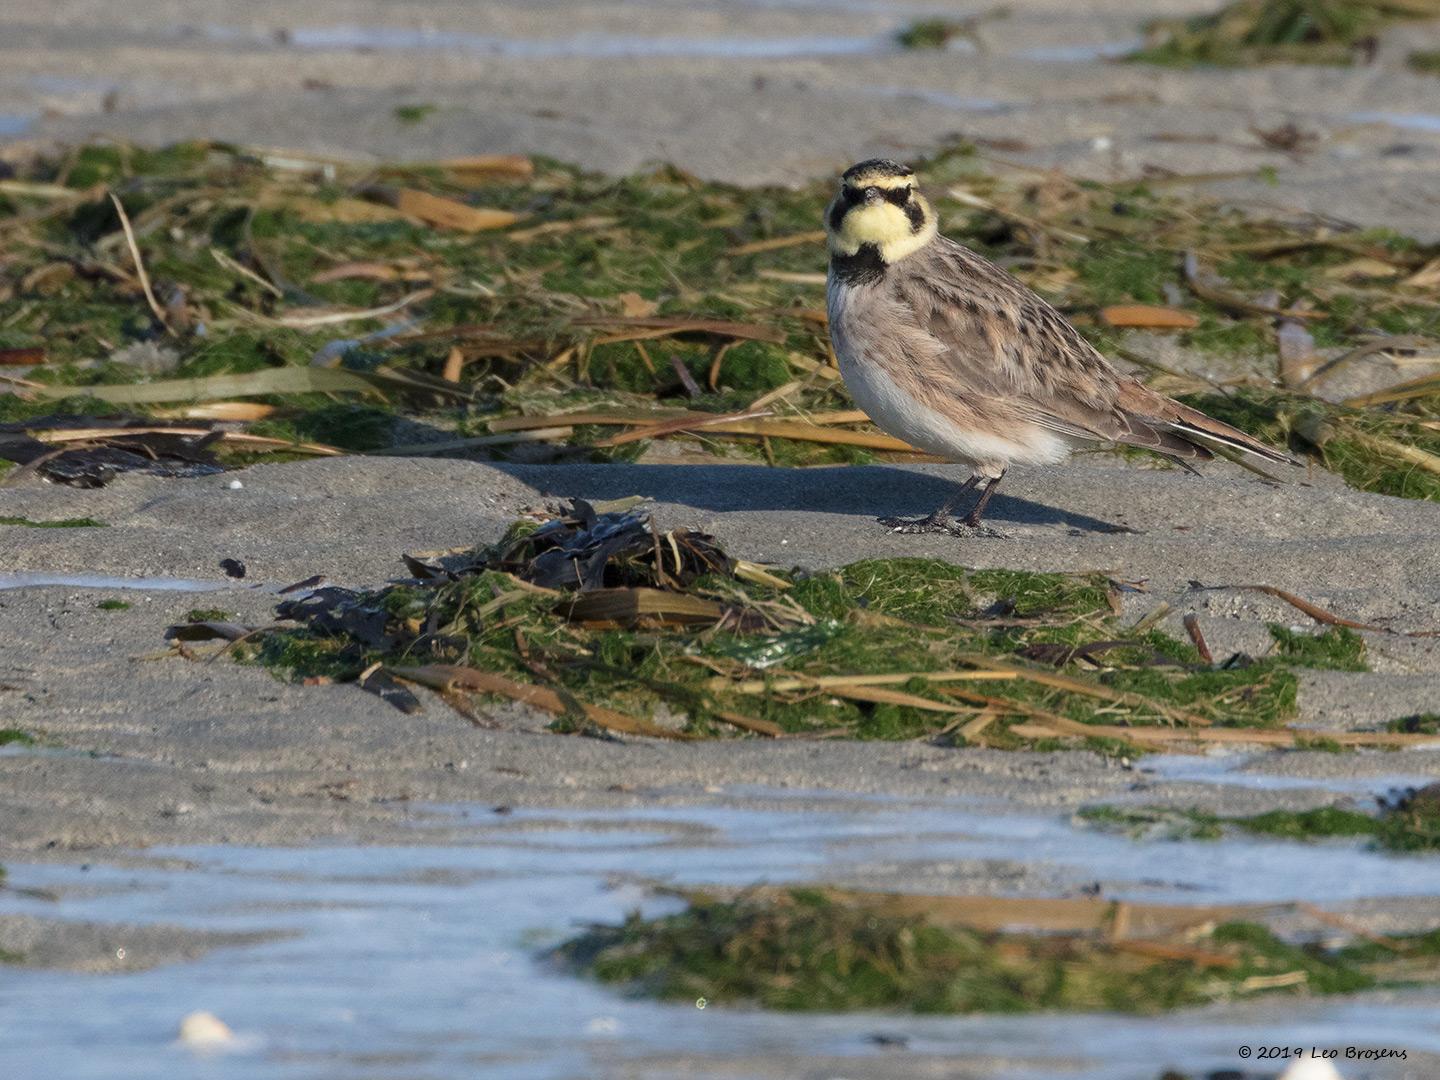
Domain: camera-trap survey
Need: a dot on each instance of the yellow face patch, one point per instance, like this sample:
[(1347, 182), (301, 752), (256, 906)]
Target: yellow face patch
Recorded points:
[(882, 224)]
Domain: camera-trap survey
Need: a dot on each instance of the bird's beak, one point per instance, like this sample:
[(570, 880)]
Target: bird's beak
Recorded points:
[(873, 196)]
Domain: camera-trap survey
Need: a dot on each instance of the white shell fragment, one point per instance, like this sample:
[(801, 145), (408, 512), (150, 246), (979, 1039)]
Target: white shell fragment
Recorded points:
[(205, 1031), (1311, 1069)]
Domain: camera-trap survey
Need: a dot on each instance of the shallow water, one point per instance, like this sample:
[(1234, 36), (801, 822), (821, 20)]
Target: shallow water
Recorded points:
[(421, 961), (587, 46), (1227, 769), (1081, 53), (630, 46), (107, 581), (12, 125), (1412, 121), (942, 98)]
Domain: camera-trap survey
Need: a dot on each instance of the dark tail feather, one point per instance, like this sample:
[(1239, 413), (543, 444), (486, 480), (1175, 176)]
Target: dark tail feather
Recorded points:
[(1215, 435)]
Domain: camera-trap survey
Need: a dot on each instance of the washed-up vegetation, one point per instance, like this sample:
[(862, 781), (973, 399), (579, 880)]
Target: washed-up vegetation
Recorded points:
[(227, 304), (16, 737), (62, 523), (1406, 821), (931, 33), (606, 622), (828, 950), (1293, 31)]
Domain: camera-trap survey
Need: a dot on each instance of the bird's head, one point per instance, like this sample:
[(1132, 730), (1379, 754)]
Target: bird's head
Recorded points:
[(879, 205)]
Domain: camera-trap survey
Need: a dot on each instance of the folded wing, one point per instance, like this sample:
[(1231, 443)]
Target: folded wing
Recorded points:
[(1004, 343)]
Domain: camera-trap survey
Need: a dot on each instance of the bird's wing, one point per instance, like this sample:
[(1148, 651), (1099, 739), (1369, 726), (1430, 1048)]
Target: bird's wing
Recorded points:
[(1001, 341)]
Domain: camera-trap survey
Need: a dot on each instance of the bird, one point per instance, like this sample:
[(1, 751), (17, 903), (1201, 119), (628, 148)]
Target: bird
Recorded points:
[(947, 351)]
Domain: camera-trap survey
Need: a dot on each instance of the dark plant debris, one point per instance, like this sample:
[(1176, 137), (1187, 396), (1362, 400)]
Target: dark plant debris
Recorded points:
[(824, 950), (501, 306), (90, 452), (601, 618)]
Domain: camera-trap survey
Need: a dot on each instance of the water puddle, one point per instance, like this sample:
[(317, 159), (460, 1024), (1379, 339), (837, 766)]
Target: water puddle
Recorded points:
[(581, 46), (422, 960), (106, 581), (1081, 54), (1226, 769), (942, 98), (70, 84), (601, 46), (1409, 121), (12, 125)]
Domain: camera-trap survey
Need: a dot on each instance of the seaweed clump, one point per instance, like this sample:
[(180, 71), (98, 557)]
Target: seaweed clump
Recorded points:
[(804, 950), (599, 617), (1265, 31), (1407, 820)]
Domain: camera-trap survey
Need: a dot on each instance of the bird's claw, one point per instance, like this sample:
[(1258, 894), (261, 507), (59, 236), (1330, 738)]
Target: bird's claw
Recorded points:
[(939, 523)]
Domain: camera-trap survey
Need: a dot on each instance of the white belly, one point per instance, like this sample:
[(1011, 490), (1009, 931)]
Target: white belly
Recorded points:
[(898, 413)]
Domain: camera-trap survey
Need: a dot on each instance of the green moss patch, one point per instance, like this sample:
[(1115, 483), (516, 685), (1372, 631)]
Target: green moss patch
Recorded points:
[(113, 605), (64, 523), (15, 737), (1263, 31), (930, 33), (1425, 61), (1407, 821), (801, 951), (414, 114), (206, 615)]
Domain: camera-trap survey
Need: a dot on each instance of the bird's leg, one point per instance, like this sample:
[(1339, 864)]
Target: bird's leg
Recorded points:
[(972, 519), (939, 521)]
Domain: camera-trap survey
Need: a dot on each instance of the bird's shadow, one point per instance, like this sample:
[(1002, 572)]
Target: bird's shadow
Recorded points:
[(870, 491)]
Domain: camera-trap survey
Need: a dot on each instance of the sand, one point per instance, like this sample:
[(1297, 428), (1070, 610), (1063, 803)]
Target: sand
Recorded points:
[(197, 752)]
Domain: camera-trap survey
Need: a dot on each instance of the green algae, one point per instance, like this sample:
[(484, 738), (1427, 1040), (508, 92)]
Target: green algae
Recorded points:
[(414, 114), (1334, 649), (1370, 448), (800, 950), (930, 33), (1406, 822), (1424, 61), (784, 650), (528, 307), (1247, 32), (62, 523)]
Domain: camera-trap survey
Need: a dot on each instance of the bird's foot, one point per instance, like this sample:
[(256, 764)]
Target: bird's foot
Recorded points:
[(939, 522)]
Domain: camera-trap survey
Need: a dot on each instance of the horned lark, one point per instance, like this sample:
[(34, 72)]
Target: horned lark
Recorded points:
[(950, 353)]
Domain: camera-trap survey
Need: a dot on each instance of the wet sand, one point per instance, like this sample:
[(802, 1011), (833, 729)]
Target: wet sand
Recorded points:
[(218, 752)]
